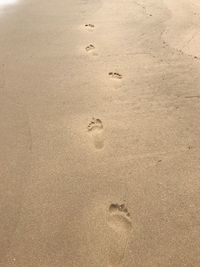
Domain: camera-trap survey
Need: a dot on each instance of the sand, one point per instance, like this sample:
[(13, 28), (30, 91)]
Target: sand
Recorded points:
[(100, 133)]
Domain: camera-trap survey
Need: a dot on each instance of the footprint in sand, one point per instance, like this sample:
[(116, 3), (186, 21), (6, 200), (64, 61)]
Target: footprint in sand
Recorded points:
[(95, 128), (89, 26), (115, 75), (90, 48), (120, 222)]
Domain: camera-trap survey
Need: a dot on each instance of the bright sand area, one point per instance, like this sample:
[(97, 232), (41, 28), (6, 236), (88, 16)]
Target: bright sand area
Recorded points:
[(100, 133)]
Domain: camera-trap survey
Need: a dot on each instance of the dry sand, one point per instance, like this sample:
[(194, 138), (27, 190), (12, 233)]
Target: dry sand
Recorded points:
[(100, 133)]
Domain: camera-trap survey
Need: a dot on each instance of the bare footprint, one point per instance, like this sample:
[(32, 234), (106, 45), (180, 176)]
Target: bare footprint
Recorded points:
[(89, 26), (90, 48), (95, 128), (115, 75), (120, 222)]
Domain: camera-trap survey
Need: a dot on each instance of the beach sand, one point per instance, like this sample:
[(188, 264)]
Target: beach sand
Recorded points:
[(100, 133)]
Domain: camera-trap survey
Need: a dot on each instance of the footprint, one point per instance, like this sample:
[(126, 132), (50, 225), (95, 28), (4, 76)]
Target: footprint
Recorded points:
[(120, 222), (90, 48), (115, 75), (119, 218), (89, 26), (95, 128)]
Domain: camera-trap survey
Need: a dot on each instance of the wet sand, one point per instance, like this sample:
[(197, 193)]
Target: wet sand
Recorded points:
[(100, 133)]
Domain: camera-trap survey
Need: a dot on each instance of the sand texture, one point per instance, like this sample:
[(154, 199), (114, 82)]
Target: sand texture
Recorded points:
[(100, 133)]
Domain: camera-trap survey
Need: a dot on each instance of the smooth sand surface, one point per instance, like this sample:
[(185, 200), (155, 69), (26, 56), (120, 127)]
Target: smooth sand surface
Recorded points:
[(100, 133)]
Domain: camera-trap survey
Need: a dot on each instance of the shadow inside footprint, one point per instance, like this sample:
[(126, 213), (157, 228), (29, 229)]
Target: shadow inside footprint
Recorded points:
[(89, 26), (90, 48), (115, 75), (95, 124)]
